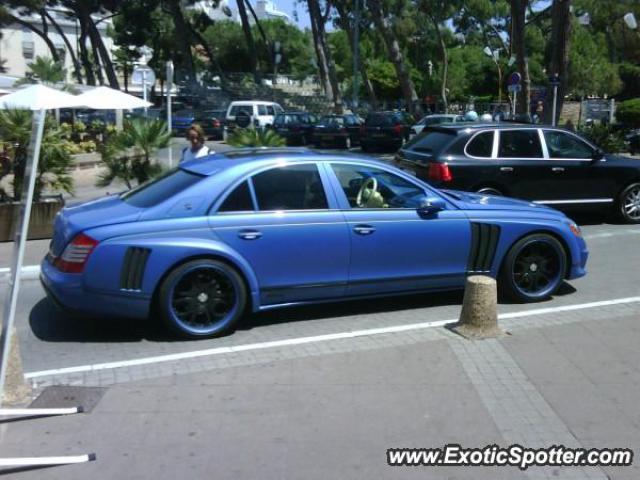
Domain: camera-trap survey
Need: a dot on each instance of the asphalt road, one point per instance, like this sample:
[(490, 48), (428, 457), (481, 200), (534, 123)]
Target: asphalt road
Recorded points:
[(51, 340)]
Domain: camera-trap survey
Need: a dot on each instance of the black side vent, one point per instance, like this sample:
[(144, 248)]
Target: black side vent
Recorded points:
[(484, 240), (135, 261)]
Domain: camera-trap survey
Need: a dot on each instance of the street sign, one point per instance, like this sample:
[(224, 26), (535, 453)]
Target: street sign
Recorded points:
[(143, 74), (516, 87), (514, 78), (554, 80)]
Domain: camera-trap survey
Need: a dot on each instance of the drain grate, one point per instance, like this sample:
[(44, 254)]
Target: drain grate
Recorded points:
[(62, 396)]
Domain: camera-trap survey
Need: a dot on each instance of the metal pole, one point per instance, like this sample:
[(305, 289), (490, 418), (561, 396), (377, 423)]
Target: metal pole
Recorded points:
[(553, 110), (356, 53), (20, 241), (169, 125), (144, 89), (513, 107)]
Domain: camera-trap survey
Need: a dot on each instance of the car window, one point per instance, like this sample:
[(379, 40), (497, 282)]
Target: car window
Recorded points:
[(430, 141), (379, 120), (270, 110), (160, 188), (520, 144), (327, 121), (481, 145), (296, 187), (239, 200), (370, 187), (237, 109), (563, 145), (262, 110)]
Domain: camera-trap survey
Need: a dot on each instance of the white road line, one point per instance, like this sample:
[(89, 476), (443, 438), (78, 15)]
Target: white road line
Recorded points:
[(313, 339), (616, 233)]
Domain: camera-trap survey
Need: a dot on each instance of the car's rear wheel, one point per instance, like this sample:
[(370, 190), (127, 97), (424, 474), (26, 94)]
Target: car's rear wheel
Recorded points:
[(628, 204), (202, 298), (534, 268)]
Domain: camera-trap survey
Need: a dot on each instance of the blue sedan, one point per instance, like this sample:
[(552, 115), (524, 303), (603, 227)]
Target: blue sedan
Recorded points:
[(250, 230)]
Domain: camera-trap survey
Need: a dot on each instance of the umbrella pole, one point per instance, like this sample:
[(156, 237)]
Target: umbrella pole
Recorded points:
[(31, 173), (20, 241)]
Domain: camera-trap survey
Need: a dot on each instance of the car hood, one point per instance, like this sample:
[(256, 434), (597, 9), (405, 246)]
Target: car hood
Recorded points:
[(104, 211), (476, 201)]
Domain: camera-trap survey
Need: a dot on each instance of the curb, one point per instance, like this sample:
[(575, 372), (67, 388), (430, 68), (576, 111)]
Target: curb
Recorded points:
[(30, 272)]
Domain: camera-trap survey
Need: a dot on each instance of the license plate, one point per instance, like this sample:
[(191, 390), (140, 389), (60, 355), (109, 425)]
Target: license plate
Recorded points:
[(328, 137)]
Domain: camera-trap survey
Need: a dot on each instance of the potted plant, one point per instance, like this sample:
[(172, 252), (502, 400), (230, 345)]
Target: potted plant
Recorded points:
[(52, 177)]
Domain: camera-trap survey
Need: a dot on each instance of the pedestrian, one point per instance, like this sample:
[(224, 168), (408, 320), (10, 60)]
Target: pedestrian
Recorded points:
[(195, 136)]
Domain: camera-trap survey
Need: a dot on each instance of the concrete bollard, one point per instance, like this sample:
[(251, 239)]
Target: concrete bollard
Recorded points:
[(479, 315), (16, 390)]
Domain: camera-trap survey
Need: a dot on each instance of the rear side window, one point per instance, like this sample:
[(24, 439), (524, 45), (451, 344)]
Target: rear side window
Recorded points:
[(430, 141), (270, 110), (236, 109), (239, 200), (161, 188), (262, 110), (296, 187), (520, 144), (380, 120), (481, 145), (327, 121)]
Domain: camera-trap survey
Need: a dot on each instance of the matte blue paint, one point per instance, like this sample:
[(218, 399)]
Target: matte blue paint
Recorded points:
[(300, 256)]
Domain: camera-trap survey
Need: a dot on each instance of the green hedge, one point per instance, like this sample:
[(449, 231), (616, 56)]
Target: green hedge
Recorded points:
[(628, 113)]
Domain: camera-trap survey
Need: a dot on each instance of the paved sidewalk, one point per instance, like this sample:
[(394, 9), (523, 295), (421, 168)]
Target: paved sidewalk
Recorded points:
[(570, 378)]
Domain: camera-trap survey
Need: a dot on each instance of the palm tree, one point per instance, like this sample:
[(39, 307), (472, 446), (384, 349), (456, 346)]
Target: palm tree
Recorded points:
[(128, 155), (46, 71), (251, 137)]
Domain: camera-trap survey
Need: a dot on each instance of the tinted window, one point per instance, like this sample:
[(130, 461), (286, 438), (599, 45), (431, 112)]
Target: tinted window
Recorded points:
[(270, 110), (430, 141), (563, 145), (380, 120), (326, 121), (238, 201), (481, 145), (236, 109), (297, 187), (519, 144), (262, 110), (161, 188), (367, 187), (286, 119)]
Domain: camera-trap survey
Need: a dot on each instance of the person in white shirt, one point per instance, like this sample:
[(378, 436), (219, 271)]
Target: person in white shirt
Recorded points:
[(198, 149)]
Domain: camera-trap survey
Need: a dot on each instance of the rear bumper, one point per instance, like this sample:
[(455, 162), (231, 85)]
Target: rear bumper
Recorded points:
[(67, 292)]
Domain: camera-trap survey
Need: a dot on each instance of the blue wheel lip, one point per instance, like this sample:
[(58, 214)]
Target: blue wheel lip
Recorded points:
[(218, 326), (556, 280)]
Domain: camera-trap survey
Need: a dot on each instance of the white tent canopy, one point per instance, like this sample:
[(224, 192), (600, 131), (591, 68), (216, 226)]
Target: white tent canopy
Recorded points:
[(105, 98), (38, 97)]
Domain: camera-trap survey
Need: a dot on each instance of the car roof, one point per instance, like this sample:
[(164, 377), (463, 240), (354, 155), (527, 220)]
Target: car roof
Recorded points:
[(495, 125), (255, 157), (252, 102)]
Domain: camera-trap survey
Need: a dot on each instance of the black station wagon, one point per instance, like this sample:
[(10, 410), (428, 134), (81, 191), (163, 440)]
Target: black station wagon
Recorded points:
[(543, 164)]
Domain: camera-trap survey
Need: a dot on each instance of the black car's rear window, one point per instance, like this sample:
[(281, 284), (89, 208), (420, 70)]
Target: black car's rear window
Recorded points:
[(380, 120), (329, 120), (430, 141), (165, 186)]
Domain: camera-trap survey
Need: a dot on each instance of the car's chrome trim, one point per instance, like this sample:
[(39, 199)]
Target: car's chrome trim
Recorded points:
[(581, 200)]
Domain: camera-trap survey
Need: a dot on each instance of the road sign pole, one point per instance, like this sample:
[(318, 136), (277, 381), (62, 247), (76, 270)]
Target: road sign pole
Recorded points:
[(555, 99), (169, 125), (144, 90)]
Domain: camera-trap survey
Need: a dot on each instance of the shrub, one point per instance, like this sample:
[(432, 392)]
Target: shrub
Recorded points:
[(250, 137), (605, 137), (628, 113)]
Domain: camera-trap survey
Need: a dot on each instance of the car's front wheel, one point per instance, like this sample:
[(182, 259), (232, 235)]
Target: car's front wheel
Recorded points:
[(202, 298), (628, 204), (533, 269)]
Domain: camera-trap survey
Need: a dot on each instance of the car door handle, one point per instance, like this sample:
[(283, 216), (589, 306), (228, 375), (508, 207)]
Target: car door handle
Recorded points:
[(557, 169), (506, 169), (364, 229), (249, 234)]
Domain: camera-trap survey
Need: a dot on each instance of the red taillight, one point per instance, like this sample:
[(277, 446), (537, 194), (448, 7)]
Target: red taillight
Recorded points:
[(439, 172), (75, 255), (397, 129)]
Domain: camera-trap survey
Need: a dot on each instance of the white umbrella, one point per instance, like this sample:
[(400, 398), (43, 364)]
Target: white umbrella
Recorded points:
[(105, 98), (38, 97)]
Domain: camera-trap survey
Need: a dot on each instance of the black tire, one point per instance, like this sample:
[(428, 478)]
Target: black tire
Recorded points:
[(201, 299), (490, 191), (628, 204), (365, 147), (533, 269)]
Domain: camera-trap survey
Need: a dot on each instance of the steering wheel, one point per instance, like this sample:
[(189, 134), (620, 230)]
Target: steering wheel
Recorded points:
[(363, 187)]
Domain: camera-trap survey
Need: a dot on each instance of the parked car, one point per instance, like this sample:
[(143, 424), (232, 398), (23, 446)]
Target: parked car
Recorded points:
[(337, 130), (385, 129), (251, 113), (251, 230), (544, 164), (181, 120), (212, 122), (295, 127), (435, 119)]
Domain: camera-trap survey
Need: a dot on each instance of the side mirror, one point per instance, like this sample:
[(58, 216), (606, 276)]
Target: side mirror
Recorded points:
[(430, 205), (597, 155)]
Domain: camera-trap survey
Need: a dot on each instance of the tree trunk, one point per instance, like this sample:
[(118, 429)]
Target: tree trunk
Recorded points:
[(77, 68), (395, 55), (323, 48), (96, 40), (323, 68), (84, 56), (251, 45), (184, 40), (345, 24), (445, 64), (559, 60), (518, 11), (42, 35)]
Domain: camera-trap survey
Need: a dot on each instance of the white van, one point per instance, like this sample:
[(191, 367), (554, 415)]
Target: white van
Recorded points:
[(260, 113)]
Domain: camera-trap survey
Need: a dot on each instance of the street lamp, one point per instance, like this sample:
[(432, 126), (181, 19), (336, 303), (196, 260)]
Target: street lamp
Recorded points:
[(495, 55)]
